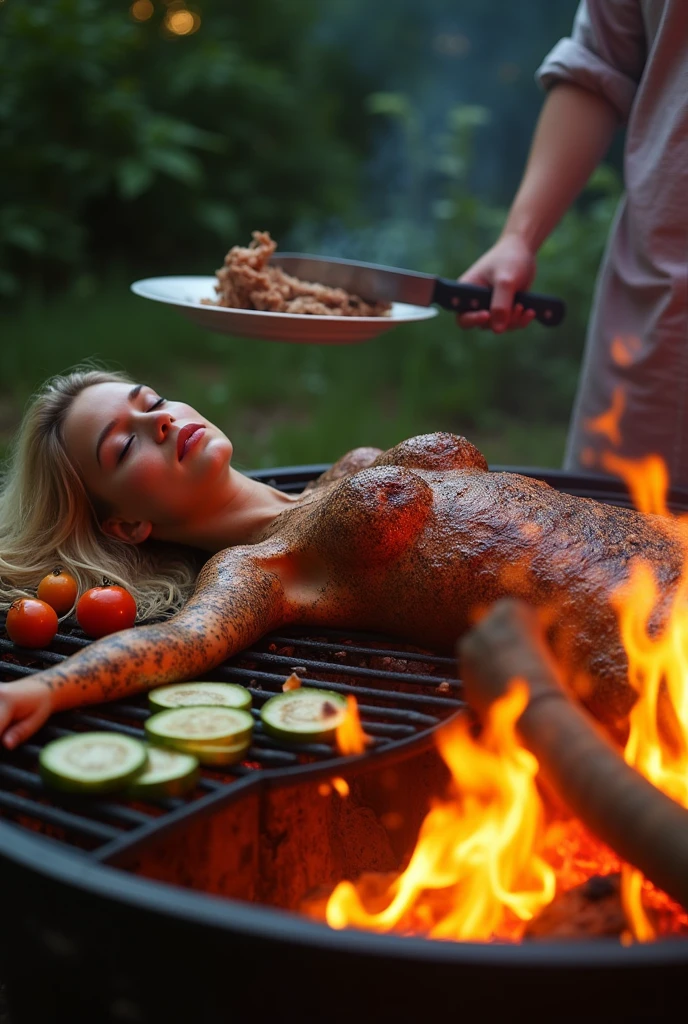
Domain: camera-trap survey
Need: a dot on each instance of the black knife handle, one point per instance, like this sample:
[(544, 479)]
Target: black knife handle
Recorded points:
[(461, 297)]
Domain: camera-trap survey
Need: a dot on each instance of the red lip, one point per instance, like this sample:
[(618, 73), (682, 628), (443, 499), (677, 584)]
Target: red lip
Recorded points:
[(185, 435)]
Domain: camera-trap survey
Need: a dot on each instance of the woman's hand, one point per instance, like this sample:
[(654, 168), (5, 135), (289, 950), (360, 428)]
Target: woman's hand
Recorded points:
[(238, 598), (508, 267), (24, 707)]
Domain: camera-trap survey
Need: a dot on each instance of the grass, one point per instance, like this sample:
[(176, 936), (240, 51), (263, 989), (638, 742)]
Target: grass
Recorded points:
[(285, 404)]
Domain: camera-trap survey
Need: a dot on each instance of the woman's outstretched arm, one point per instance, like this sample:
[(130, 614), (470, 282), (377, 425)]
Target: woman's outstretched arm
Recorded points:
[(645, 827), (238, 598)]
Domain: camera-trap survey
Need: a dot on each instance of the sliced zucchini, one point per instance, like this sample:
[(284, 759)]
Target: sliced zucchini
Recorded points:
[(191, 727), (169, 773), (176, 695), (219, 754), (92, 762), (303, 715)]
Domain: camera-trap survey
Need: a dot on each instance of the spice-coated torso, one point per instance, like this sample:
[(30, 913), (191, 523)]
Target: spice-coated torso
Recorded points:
[(420, 541)]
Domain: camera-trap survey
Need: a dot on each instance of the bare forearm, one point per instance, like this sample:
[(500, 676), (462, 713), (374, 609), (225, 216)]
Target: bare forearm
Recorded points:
[(572, 135), (237, 600), (131, 661)]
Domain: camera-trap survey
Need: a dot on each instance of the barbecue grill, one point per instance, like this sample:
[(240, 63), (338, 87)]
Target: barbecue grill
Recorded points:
[(122, 911)]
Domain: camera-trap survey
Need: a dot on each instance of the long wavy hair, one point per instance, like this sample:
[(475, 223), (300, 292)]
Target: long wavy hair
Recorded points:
[(47, 518)]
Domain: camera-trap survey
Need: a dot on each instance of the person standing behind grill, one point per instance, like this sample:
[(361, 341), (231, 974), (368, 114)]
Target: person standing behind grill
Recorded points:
[(626, 61)]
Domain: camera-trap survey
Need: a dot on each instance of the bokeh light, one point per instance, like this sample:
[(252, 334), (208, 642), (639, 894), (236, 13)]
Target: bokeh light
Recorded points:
[(142, 10), (182, 22)]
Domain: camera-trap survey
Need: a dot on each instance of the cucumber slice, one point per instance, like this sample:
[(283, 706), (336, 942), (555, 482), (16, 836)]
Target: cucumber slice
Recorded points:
[(219, 754), (92, 762), (168, 774), (304, 714), (228, 695), (183, 728)]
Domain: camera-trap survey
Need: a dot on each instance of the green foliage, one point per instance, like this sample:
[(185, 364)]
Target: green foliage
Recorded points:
[(123, 142)]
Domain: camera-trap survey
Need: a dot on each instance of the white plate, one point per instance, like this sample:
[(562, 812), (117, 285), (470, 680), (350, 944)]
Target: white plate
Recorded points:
[(185, 294)]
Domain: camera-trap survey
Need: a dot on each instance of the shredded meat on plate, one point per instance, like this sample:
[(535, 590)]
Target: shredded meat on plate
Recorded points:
[(246, 281)]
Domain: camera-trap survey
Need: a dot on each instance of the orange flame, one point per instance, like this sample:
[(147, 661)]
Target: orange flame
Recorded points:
[(340, 785), (350, 736), (647, 480), (607, 423), (292, 682), (474, 873), (624, 349), (657, 745)]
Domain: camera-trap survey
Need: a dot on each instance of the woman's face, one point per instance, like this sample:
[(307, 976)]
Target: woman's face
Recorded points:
[(149, 459)]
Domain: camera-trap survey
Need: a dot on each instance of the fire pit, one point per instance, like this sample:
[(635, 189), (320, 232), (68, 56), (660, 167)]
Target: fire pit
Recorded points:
[(185, 909)]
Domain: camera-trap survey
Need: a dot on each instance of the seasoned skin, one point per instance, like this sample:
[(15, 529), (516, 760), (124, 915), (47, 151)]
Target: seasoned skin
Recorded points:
[(424, 568), (416, 544), (237, 599)]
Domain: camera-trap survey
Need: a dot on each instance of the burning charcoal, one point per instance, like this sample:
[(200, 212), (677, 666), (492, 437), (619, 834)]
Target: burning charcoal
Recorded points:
[(589, 910)]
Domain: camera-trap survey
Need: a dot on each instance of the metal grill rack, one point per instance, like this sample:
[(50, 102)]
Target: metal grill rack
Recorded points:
[(403, 694)]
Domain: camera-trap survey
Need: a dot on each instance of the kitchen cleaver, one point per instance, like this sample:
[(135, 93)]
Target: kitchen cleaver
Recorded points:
[(389, 284)]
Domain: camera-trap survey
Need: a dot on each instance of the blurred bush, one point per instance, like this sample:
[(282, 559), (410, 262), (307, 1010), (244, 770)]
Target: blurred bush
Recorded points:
[(125, 142)]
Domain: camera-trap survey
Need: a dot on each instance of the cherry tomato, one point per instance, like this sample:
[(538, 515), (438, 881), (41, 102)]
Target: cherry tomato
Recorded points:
[(31, 623), (106, 609), (59, 590)]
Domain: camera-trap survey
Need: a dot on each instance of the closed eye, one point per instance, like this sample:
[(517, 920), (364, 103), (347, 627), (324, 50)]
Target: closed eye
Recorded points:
[(127, 446), (125, 449)]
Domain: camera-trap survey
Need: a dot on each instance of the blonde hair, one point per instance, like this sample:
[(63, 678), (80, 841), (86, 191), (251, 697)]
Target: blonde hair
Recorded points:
[(47, 518)]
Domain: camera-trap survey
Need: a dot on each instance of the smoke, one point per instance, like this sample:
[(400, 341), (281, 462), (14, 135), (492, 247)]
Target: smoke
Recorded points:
[(424, 62)]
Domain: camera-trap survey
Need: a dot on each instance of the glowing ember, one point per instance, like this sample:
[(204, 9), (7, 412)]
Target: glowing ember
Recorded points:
[(350, 736)]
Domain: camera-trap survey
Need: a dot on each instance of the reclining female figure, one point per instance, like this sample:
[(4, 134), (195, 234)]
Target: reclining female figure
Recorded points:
[(110, 479)]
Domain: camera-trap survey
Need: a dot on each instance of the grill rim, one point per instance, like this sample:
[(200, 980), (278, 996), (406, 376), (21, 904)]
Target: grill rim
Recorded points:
[(222, 914)]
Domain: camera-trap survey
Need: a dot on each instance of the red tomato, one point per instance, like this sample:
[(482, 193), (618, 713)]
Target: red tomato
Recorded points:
[(106, 609), (31, 623), (59, 590)]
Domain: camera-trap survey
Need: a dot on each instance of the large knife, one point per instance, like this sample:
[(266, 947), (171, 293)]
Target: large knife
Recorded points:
[(389, 284)]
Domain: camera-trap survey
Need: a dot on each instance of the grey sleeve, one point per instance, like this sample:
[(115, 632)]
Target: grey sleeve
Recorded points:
[(605, 53)]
